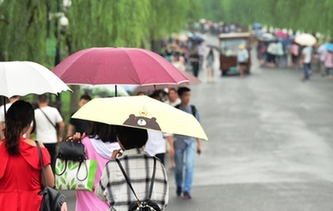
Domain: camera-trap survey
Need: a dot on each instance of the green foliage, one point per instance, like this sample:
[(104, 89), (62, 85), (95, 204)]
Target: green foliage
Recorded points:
[(104, 23), (310, 16)]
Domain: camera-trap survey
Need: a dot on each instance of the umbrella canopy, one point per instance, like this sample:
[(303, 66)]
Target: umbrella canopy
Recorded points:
[(281, 34), (141, 112), (192, 80), (267, 37), (257, 26), (25, 77), (329, 46), (305, 39), (196, 38), (117, 66)]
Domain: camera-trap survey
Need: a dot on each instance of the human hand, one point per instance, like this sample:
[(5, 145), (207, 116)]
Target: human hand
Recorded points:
[(76, 137), (64, 206), (199, 149), (116, 153)]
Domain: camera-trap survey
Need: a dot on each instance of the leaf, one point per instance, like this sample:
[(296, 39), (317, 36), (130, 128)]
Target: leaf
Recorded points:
[(73, 187), (65, 175), (73, 181), (63, 180), (68, 187)]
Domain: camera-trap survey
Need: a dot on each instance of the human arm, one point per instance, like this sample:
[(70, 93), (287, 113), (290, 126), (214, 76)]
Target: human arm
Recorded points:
[(199, 146), (48, 171), (171, 148), (61, 130), (71, 129), (100, 189)]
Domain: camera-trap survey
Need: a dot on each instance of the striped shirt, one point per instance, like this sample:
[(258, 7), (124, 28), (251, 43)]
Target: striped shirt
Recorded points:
[(138, 165)]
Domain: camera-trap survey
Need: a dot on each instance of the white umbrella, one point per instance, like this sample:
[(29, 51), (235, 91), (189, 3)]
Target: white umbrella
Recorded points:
[(305, 39), (24, 77)]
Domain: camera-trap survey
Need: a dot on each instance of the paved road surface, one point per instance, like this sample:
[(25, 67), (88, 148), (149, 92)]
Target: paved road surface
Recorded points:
[(270, 146)]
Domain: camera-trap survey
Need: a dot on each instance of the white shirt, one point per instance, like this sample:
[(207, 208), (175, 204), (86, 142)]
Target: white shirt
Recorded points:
[(2, 114), (178, 101), (322, 51), (307, 54), (46, 132), (156, 143)]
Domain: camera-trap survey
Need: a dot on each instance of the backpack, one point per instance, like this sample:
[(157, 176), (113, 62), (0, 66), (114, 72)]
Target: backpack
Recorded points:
[(146, 204), (193, 108)]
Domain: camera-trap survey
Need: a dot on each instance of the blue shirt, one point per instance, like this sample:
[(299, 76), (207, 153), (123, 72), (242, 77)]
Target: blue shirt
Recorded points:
[(242, 55), (180, 142)]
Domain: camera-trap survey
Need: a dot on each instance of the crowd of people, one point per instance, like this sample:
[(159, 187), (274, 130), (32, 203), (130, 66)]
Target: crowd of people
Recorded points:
[(286, 52), (190, 55), (134, 148)]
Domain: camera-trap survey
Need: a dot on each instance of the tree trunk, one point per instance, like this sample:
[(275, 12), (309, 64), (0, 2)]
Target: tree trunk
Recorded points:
[(74, 98)]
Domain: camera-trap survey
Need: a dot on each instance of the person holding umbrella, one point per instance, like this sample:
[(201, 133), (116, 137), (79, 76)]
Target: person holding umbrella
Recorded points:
[(138, 165), (306, 58)]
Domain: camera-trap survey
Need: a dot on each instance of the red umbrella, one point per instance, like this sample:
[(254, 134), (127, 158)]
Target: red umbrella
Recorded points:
[(118, 66), (192, 80), (281, 34)]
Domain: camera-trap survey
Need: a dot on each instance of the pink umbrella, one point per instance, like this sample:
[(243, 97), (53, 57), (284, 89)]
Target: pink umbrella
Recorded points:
[(192, 80), (281, 34), (118, 66)]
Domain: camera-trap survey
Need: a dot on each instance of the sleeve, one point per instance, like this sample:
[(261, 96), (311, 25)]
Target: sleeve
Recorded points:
[(100, 190), (197, 115), (58, 117), (46, 156)]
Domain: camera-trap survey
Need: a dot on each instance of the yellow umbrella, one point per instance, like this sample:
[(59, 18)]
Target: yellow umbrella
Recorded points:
[(141, 112)]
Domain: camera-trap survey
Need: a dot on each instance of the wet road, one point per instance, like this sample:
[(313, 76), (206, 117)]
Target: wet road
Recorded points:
[(270, 146)]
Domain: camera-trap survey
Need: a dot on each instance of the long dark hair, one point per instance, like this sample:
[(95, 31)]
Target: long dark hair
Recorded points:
[(19, 116), (102, 131)]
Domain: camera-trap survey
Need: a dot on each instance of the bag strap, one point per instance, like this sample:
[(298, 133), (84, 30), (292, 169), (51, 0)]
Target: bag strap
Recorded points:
[(48, 118), (41, 161), (129, 183)]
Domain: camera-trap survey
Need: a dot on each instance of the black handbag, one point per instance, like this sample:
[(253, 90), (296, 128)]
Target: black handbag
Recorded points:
[(71, 151), (52, 199), (146, 204)]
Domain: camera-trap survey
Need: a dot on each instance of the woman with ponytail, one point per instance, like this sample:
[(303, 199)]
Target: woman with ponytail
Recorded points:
[(20, 171)]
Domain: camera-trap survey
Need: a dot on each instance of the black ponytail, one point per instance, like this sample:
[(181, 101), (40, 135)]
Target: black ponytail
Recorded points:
[(19, 116)]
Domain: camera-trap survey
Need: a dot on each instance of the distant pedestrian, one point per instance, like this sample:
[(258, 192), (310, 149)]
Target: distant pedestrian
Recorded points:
[(195, 59), (242, 59), (261, 52), (295, 54), (79, 125), (184, 149), (178, 62), (47, 118), (271, 54), (306, 58), (173, 98), (210, 66), (328, 64), (321, 50), (156, 144)]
